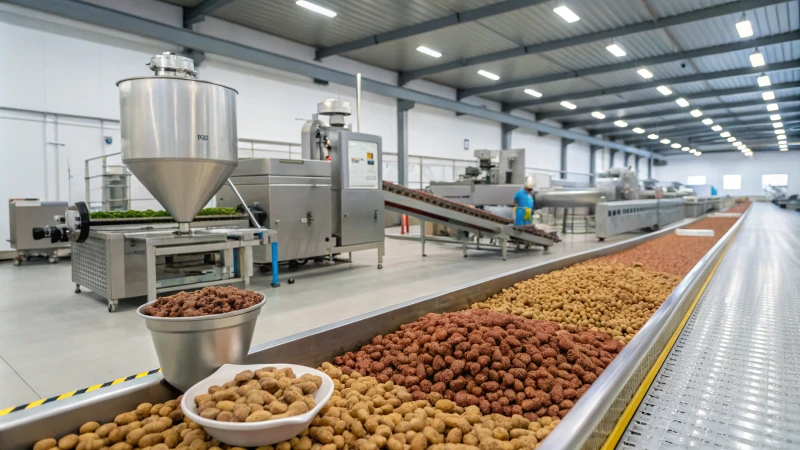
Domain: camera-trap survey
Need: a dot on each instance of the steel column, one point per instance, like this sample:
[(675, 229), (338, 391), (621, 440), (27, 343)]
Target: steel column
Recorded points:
[(564, 143), (506, 131), (402, 140), (611, 154), (593, 163), (649, 167)]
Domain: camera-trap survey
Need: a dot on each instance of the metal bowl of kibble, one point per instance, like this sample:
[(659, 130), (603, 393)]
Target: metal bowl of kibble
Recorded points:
[(191, 340)]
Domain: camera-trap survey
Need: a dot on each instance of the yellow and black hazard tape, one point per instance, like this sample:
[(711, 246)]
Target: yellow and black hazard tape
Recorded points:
[(43, 401)]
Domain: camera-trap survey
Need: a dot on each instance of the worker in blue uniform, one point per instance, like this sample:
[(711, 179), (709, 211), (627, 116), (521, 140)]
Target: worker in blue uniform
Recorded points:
[(523, 203)]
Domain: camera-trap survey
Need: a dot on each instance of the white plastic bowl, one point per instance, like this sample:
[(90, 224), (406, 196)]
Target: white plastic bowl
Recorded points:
[(254, 434)]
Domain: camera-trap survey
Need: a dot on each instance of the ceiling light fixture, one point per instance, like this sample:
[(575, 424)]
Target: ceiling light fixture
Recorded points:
[(429, 51), (777, 124), (782, 137), (652, 136), (568, 105), (664, 90), (764, 81), (693, 151), (780, 131), (616, 50), (675, 145), (772, 107), (315, 8), (638, 130), (665, 141), (784, 149), (737, 144), (725, 134), (488, 75), (769, 95), (682, 102), (566, 14), (621, 123), (598, 115), (644, 73), (708, 121), (775, 117), (696, 113), (744, 27), (757, 59), (731, 139), (533, 93), (685, 149), (698, 153), (716, 128)]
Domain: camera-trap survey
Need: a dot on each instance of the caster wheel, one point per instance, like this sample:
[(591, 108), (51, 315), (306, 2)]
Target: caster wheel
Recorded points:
[(466, 256), (52, 260), (380, 266), (264, 268), (424, 255), (112, 308), (290, 280), (17, 262), (601, 239), (77, 289)]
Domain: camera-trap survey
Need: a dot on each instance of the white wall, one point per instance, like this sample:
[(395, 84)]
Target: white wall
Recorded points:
[(714, 166)]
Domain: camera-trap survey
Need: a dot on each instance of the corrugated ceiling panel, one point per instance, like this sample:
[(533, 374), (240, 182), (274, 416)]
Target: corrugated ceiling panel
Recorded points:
[(642, 45), (547, 89), (512, 69), (184, 3)]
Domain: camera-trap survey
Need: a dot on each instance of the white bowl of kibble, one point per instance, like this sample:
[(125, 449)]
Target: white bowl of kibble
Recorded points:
[(280, 401)]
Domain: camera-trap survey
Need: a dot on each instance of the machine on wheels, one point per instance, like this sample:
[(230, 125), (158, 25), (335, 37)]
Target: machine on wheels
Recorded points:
[(182, 150)]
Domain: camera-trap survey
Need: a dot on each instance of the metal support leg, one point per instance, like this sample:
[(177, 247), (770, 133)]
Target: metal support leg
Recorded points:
[(464, 244), (380, 258), (349, 256), (244, 266), (275, 280), (150, 261), (504, 248), (422, 236), (478, 242)]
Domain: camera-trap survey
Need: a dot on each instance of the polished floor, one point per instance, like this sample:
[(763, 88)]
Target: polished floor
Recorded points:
[(732, 378), (55, 341)]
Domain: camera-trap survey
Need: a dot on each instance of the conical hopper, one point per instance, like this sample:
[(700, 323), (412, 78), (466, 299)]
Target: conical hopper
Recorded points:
[(178, 135)]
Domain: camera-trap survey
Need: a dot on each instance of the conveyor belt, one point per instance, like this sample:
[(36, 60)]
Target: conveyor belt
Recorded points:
[(732, 379), (464, 209)]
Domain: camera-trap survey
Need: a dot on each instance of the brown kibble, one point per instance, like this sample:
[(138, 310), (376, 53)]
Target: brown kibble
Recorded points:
[(259, 416), (125, 418), (46, 444), (68, 442), (121, 446), (247, 375), (151, 439), (207, 301)]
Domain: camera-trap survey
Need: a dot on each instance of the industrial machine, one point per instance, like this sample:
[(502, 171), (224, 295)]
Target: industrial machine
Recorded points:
[(115, 185), (179, 140), (26, 213), (328, 202)]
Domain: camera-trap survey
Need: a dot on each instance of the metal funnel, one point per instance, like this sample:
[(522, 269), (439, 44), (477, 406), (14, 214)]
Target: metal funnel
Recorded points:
[(178, 134)]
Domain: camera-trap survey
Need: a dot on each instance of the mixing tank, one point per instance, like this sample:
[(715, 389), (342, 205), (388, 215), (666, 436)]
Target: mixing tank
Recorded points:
[(178, 135)]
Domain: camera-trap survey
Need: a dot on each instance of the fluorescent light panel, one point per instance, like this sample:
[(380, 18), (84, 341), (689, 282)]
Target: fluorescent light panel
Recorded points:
[(566, 14), (682, 102), (780, 131), (696, 113), (764, 81), (698, 153), (621, 123), (685, 149), (731, 139), (488, 75), (568, 105), (664, 90), (744, 28), (775, 117), (652, 136), (777, 124), (675, 145), (429, 51), (716, 128), (644, 73), (598, 115), (708, 121), (769, 95), (782, 137), (533, 93), (665, 141), (757, 59), (725, 134), (316, 8), (638, 130), (616, 50), (772, 107)]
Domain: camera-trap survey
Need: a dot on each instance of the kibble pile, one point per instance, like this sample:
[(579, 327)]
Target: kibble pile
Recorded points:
[(739, 208), (502, 363), (671, 253), (206, 301), (613, 298)]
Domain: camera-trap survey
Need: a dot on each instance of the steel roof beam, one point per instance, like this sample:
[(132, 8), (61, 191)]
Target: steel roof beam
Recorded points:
[(198, 12), (703, 133), (654, 84), (719, 120), (669, 99), (632, 64), (425, 27), (640, 27), (127, 23), (720, 140), (678, 110)]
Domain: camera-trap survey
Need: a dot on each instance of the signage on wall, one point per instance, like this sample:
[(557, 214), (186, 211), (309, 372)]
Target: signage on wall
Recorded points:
[(466, 144)]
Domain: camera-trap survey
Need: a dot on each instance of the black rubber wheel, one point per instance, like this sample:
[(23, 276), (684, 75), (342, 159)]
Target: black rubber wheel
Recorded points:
[(83, 213), (111, 308), (380, 266), (290, 281)]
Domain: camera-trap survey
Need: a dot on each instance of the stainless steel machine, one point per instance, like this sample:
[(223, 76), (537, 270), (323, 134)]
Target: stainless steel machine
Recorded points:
[(329, 202), (23, 215), (179, 139)]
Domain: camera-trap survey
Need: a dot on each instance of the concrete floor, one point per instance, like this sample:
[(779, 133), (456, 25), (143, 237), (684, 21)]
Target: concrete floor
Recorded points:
[(55, 341)]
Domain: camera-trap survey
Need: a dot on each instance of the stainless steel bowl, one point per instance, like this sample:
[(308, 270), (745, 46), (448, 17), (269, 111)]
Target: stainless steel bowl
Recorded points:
[(190, 349)]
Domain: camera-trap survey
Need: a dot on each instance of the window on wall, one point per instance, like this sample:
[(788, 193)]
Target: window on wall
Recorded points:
[(696, 180), (774, 179), (731, 182)]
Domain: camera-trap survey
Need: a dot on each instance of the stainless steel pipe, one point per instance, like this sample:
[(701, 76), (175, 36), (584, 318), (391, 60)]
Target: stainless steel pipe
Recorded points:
[(568, 198)]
